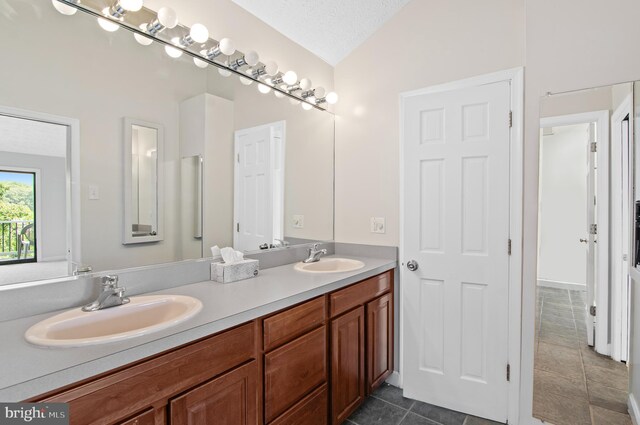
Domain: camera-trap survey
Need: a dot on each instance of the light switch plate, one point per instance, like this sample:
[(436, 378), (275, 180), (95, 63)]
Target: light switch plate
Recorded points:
[(94, 192), (298, 221), (378, 225)]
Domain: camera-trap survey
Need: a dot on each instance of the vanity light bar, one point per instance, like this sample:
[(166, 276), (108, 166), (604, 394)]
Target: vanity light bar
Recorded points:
[(163, 28)]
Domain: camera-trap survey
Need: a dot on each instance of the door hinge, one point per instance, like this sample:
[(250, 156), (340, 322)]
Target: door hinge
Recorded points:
[(592, 310), (509, 247), (594, 147), (593, 229), (238, 158), (238, 227), (508, 372), (510, 119)]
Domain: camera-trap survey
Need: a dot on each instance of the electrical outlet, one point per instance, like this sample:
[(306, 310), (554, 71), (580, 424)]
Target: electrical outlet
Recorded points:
[(378, 225), (94, 192), (298, 221)]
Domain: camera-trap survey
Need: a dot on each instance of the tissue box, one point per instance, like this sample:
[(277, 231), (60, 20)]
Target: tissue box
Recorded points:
[(226, 273)]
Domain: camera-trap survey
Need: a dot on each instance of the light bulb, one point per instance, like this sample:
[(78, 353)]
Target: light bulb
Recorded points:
[(271, 68), (251, 58), (290, 77), (173, 52), (224, 72), (145, 41), (199, 33), (227, 46), (108, 25), (332, 98), (131, 5), (65, 9), (311, 99), (294, 101), (306, 106), (305, 84), (246, 81), (278, 94), (167, 17), (200, 63), (319, 92), (263, 88)]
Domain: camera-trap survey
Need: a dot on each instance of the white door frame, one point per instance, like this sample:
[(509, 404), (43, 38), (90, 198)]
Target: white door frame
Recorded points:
[(619, 293), (73, 201), (602, 207), (516, 77)]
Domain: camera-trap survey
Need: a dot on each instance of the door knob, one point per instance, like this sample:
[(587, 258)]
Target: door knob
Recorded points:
[(584, 240), (412, 265)]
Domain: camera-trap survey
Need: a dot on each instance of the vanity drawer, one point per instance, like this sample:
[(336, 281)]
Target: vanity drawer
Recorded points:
[(312, 410), (293, 322), (293, 370), (120, 394), (359, 293), (146, 418)]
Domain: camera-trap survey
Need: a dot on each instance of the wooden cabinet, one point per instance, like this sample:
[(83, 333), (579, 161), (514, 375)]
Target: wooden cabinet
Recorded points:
[(361, 342), (347, 364), (311, 364), (229, 399), (379, 340), (294, 370)]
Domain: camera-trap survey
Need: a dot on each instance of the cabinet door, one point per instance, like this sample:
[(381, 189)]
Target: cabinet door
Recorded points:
[(312, 410), (231, 399), (379, 341), (293, 370), (347, 364)]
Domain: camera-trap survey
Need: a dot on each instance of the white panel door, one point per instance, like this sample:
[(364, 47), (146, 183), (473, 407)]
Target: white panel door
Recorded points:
[(456, 228), (591, 239), (253, 189)]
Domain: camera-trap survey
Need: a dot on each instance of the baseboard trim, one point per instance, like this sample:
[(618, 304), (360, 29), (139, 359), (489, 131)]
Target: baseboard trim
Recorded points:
[(394, 379), (562, 285), (634, 412)]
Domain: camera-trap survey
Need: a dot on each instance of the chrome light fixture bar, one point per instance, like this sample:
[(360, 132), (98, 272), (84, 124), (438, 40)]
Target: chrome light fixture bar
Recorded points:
[(163, 28)]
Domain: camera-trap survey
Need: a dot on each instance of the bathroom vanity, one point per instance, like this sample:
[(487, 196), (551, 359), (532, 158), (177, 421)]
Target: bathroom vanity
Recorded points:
[(310, 363), (287, 347)]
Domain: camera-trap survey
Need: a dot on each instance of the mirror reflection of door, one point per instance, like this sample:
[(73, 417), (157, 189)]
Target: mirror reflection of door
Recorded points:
[(33, 200), (259, 186)]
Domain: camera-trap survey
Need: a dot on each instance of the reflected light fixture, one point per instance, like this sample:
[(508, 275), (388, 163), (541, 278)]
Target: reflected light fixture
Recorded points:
[(263, 88), (306, 106), (141, 39), (246, 81), (223, 71), (199, 62), (107, 25), (64, 8), (173, 51)]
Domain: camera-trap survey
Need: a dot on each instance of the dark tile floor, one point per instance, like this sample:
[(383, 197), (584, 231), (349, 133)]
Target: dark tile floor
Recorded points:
[(573, 385), (387, 406)]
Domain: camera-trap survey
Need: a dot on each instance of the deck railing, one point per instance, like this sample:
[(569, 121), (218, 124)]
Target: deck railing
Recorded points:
[(10, 239)]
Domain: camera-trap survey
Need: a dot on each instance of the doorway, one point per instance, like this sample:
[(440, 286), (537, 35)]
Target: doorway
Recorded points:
[(259, 186), (460, 150), (575, 380)]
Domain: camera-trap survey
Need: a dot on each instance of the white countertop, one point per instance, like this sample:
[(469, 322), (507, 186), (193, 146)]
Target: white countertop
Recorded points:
[(27, 370)]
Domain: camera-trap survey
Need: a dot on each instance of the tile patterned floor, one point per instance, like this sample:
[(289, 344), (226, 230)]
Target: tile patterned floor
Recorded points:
[(387, 406), (573, 385)]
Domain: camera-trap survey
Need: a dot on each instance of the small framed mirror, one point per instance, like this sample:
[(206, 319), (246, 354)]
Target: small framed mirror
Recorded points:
[(143, 158)]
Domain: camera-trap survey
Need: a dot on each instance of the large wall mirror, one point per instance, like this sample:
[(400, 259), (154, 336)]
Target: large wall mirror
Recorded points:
[(586, 254), (240, 167)]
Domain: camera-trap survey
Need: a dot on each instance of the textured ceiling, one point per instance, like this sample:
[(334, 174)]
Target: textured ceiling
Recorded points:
[(330, 29)]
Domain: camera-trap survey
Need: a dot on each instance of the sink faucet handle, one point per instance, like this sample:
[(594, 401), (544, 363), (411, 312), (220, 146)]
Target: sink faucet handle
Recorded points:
[(316, 245), (109, 281)]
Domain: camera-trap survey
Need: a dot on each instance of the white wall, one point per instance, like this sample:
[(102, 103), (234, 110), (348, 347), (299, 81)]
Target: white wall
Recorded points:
[(426, 43), (53, 187), (563, 205)]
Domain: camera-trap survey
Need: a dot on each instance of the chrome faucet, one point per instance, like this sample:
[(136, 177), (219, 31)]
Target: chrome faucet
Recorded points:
[(110, 296), (314, 254)]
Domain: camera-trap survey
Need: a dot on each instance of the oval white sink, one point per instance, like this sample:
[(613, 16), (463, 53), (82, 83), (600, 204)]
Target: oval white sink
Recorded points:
[(142, 316), (330, 265)]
